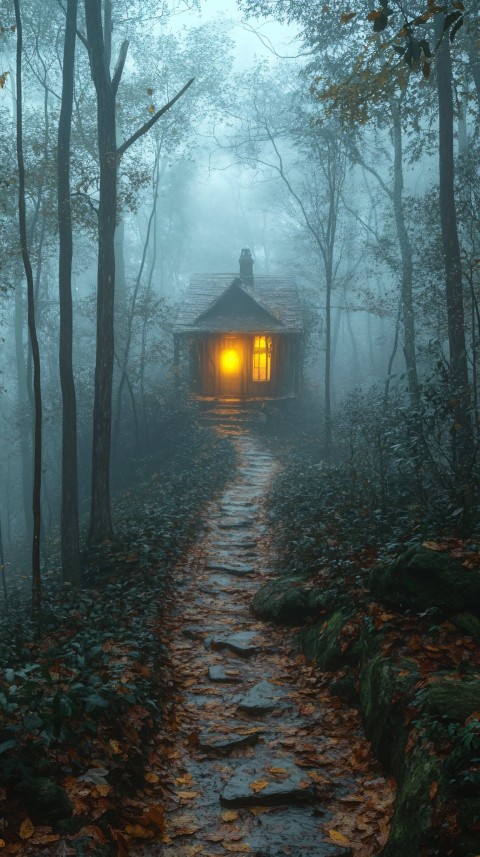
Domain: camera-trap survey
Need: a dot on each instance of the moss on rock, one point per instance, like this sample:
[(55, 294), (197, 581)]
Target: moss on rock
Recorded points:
[(385, 689), (468, 623), (323, 641), (283, 600), (411, 825), (422, 578), (453, 700)]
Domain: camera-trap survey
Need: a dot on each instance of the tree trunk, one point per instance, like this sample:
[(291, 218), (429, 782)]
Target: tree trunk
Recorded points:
[(461, 432), (406, 256), (37, 462), (70, 538), (100, 521)]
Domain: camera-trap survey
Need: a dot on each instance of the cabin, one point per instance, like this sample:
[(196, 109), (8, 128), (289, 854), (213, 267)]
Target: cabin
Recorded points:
[(241, 334)]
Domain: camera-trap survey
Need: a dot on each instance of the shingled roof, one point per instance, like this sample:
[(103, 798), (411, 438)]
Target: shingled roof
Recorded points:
[(276, 297)]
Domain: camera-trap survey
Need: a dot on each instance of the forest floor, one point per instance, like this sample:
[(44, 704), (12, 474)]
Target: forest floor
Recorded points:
[(153, 714), (261, 759)]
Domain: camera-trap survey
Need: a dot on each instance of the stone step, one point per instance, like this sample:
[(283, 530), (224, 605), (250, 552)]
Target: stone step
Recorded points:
[(251, 786), (240, 644), (211, 742), (263, 698), (228, 676), (237, 569)]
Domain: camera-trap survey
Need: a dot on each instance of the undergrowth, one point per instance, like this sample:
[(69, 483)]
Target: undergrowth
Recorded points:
[(83, 690)]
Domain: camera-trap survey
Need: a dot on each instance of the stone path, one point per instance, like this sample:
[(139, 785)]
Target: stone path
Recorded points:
[(262, 760)]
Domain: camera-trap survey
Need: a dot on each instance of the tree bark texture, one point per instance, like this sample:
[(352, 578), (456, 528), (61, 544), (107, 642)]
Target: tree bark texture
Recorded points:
[(70, 539), (448, 217), (22, 219), (406, 257), (452, 260), (100, 521)]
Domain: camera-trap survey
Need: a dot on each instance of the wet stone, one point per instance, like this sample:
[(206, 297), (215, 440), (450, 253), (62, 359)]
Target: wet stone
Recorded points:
[(246, 544), (233, 523), (294, 832), (262, 698), (210, 742), (235, 568), (240, 644), (222, 675), (246, 786)]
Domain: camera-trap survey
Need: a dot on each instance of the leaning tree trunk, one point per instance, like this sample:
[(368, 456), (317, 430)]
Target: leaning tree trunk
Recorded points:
[(461, 433), (69, 519), (22, 219)]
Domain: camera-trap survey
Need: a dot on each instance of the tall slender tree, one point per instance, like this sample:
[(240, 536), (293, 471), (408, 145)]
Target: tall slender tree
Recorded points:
[(22, 219), (106, 87), (69, 522)]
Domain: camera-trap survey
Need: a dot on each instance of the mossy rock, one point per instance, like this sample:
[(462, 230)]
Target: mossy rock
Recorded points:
[(322, 642), (411, 828), (468, 623), (45, 800), (283, 600), (422, 578), (346, 688), (385, 689), (453, 700)]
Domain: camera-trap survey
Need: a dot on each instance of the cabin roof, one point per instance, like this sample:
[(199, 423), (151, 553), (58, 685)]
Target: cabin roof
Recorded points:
[(276, 297)]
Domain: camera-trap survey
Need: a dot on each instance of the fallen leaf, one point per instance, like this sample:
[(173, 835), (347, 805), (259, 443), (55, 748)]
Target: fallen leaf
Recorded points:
[(277, 771), (238, 847), (229, 815), (258, 785), (26, 829), (139, 832), (433, 790), (155, 815), (185, 780), (152, 778), (187, 795), (338, 837)]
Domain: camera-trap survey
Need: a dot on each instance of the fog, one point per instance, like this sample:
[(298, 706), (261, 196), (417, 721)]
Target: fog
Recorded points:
[(326, 176)]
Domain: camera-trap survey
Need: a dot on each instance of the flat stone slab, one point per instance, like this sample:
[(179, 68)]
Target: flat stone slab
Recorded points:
[(251, 786), (240, 644), (246, 544), (222, 675), (235, 568), (234, 523), (262, 698), (211, 742)]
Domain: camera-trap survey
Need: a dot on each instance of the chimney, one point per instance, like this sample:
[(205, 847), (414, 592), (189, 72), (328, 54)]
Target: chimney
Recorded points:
[(246, 267)]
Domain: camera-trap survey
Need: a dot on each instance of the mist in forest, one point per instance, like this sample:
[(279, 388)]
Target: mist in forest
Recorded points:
[(326, 176)]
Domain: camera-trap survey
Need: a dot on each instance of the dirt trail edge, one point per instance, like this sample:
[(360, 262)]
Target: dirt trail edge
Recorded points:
[(262, 760)]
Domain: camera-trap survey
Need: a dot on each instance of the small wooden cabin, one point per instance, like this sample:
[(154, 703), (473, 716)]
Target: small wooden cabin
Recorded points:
[(242, 334)]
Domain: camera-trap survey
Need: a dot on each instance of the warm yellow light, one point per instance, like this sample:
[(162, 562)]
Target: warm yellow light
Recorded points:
[(230, 361)]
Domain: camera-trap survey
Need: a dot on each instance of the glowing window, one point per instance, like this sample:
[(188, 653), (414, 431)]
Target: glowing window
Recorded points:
[(231, 360), (262, 358)]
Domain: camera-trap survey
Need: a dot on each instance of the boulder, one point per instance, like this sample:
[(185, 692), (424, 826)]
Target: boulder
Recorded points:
[(324, 644), (422, 578), (283, 600)]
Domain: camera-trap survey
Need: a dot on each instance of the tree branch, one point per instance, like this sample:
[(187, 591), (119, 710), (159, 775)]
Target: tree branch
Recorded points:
[(146, 127), (79, 34), (117, 74)]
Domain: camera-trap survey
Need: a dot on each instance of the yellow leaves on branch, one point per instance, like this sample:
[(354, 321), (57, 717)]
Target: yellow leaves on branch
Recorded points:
[(3, 79)]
